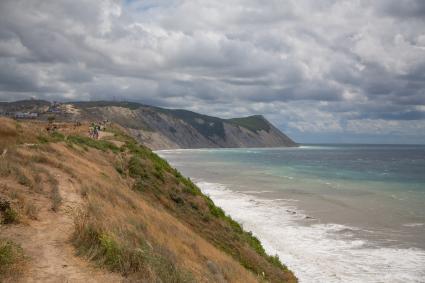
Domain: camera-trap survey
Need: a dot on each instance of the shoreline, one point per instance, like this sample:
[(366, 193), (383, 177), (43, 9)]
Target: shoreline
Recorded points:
[(309, 249)]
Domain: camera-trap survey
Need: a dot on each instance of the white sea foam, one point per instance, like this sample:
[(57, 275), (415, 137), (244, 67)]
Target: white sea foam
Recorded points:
[(413, 224), (317, 252)]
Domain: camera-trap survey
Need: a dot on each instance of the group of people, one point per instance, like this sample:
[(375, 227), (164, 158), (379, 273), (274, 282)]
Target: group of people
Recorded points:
[(94, 131), (95, 128)]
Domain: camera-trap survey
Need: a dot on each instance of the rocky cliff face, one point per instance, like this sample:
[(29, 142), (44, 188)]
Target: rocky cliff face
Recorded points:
[(160, 128)]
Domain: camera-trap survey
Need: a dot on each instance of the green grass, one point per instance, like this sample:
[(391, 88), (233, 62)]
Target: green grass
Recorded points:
[(156, 180), (11, 259), (144, 166), (125, 104), (10, 216), (253, 123), (51, 137), (97, 144)]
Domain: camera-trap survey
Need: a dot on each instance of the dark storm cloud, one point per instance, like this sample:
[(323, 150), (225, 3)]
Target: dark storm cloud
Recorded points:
[(404, 9), (317, 65)]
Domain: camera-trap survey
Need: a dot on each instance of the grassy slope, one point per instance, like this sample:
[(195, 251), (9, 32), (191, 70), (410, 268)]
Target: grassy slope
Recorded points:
[(253, 123), (142, 218)]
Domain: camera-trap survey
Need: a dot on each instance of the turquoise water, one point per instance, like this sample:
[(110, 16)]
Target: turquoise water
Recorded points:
[(362, 206)]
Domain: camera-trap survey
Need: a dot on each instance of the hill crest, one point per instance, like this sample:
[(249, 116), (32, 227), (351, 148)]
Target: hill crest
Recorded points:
[(162, 128)]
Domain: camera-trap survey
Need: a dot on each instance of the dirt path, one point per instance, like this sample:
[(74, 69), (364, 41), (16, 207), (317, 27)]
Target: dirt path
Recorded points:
[(46, 242)]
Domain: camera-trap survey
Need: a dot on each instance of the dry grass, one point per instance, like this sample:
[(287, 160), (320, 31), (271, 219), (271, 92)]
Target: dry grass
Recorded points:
[(141, 218), (115, 230), (120, 230), (56, 199)]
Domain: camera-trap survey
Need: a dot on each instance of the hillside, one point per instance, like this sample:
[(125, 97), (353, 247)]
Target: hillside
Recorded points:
[(75, 209), (160, 128)]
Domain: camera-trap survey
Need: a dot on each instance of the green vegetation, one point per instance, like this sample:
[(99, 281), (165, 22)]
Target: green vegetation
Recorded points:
[(97, 144), (208, 126), (54, 136), (188, 202), (131, 216), (10, 216), (89, 104), (11, 259), (253, 123)]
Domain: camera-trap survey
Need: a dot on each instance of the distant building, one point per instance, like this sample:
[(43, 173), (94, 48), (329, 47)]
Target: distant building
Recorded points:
[(25, 115)]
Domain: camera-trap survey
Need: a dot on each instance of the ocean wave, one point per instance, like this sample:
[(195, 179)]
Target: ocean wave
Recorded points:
[(413, 224), (317, 252)]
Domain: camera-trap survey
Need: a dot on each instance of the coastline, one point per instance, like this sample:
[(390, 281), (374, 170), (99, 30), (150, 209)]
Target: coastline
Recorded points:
[(308, 248)]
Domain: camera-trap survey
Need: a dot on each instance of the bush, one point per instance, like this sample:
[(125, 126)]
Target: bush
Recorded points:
[(215, 210), (10, 216), (254, 243), (135, 167), (11, 258), (111, 252)]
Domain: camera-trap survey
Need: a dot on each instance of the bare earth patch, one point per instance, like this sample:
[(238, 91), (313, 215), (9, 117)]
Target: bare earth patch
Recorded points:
[(46, 242)]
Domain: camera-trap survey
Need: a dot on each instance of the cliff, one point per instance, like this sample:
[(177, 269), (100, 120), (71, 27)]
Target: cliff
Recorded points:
[(70, 204), (160, 128)]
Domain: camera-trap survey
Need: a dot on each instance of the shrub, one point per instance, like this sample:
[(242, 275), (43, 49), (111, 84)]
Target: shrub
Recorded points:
[(11, 259), (10, 216), (135, 167), (275, 260), (254, 243), (111, 252), (215, 210)]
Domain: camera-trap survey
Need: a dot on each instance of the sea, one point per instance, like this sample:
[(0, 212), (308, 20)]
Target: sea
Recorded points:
[(332, 213)]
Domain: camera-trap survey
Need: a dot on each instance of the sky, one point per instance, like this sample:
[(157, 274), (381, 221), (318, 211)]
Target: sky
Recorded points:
[(321, 71)]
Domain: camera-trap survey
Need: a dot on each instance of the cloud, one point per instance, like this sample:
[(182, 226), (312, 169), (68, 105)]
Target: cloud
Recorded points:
[(310, 66)]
